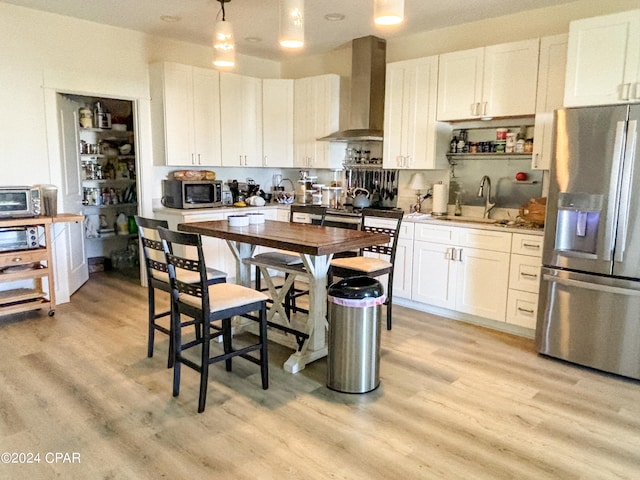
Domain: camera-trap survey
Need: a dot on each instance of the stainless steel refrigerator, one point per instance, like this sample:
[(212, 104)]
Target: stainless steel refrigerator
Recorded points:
[(589, 304)]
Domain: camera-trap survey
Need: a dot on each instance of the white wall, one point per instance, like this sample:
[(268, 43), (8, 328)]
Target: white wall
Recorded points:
[(41, 51)]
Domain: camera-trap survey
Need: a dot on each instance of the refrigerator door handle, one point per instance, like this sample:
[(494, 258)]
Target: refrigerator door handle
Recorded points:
[(590, 286), (609, 237), (625, 190)]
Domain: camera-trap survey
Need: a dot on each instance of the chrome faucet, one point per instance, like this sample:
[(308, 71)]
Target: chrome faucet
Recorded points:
[(488, 205)]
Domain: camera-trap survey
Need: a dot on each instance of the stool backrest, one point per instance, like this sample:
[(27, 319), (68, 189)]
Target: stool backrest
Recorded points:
[(369, 215), (154, 257), (181, 266)]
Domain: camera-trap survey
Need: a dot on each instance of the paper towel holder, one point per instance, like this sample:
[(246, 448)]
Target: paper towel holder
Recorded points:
[(438, 198)]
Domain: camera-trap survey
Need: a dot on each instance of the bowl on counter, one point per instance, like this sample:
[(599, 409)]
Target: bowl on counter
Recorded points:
[(255, 218), (238, 220)]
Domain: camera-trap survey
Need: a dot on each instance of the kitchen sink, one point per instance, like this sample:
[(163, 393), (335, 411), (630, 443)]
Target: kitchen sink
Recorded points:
[(489, 221)]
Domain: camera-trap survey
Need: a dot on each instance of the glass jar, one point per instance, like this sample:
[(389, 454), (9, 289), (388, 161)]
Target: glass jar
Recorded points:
[(528, 145)]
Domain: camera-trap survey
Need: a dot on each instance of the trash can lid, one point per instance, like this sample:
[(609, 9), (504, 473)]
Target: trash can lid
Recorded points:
[(356, 288)]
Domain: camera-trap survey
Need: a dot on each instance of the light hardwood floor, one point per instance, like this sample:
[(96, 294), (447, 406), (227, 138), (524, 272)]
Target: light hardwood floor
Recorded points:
[(456, 401)]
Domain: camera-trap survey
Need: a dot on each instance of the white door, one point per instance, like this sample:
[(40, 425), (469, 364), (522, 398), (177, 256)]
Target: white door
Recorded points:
[(482, 284), (71, 195), (603, 60), (460, 84), (277, 123), (434, 274)]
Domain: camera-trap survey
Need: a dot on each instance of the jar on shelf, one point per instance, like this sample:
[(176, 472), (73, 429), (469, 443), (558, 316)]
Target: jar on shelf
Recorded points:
[(85, 117), (528, 145)]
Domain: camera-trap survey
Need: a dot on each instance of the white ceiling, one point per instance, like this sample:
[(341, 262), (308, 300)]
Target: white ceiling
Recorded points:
[(259, 19)]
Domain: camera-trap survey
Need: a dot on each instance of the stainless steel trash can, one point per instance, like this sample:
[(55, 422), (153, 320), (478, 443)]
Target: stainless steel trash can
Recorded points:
[(353, 359)]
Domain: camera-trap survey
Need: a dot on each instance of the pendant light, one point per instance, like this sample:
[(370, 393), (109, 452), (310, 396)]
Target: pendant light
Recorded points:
[(291, 23), (223, 41), (388, 12)]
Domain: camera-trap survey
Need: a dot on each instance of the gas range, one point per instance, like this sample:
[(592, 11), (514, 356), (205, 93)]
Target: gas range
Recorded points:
[(351, 211)]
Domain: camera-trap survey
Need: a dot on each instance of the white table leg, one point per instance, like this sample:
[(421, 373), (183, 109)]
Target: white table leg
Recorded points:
[(241, 251), (316, 346)]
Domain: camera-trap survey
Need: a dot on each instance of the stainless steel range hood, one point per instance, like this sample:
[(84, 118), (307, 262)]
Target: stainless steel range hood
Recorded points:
[(366, 115)]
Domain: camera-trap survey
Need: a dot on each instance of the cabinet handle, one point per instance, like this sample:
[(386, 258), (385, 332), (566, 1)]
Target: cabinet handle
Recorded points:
[(193, 159), (484, 108), (625, 91), (459, 251), (530, 275), (535, 160), (473, 108), (525, 310), (264, 161), (531, 245), (199, 162), (408, 164), (16, 259)]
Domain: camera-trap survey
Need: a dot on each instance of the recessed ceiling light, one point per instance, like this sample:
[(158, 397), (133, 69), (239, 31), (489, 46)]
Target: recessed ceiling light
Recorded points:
[(170, 18), (334, 17), (252, 39)]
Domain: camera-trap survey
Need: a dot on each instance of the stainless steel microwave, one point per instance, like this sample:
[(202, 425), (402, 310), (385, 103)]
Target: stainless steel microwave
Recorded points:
[(19, 202), (191, 193)]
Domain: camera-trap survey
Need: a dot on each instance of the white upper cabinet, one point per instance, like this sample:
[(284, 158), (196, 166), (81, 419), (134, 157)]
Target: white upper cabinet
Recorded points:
[(495, 81), (316, 114), (551, 73), (185, 103), (410, 127), (277, 123), (603, 60), (241, 120)]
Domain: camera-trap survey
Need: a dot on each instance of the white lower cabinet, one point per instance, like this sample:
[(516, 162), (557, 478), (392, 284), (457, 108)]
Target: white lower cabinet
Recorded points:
[(216, 251), (434, 274), (462, 269), (482, 281)]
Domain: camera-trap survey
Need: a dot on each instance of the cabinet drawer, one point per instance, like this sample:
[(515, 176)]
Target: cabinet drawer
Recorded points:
[(524, 273), (485, 239), (301, 217), (208, 217), (406, 228), (522, 309), (23, 257), (436, 233), (527, 245)]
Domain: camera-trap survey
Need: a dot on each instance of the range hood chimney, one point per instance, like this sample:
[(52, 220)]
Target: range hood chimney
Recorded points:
[(366, 116)]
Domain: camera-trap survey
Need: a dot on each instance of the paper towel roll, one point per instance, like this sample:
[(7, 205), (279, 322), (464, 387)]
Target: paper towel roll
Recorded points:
[(440, 199)]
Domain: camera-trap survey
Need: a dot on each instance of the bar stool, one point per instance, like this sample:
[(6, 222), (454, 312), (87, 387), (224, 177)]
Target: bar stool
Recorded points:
[(158, 278), (206, 304), (372, 265)]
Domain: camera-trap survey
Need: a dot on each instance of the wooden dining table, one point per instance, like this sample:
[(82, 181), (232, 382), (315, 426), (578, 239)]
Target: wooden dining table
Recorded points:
[(316, 246)]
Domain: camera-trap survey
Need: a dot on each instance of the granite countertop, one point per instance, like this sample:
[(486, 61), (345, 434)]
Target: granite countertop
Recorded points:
[(513, 226)]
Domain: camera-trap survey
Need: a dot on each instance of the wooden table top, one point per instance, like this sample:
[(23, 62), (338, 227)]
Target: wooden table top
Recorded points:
[(296, 237)]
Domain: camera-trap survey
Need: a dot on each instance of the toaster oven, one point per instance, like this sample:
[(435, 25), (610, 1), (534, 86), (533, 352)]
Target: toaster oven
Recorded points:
[(19, 202), (19, 238)]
